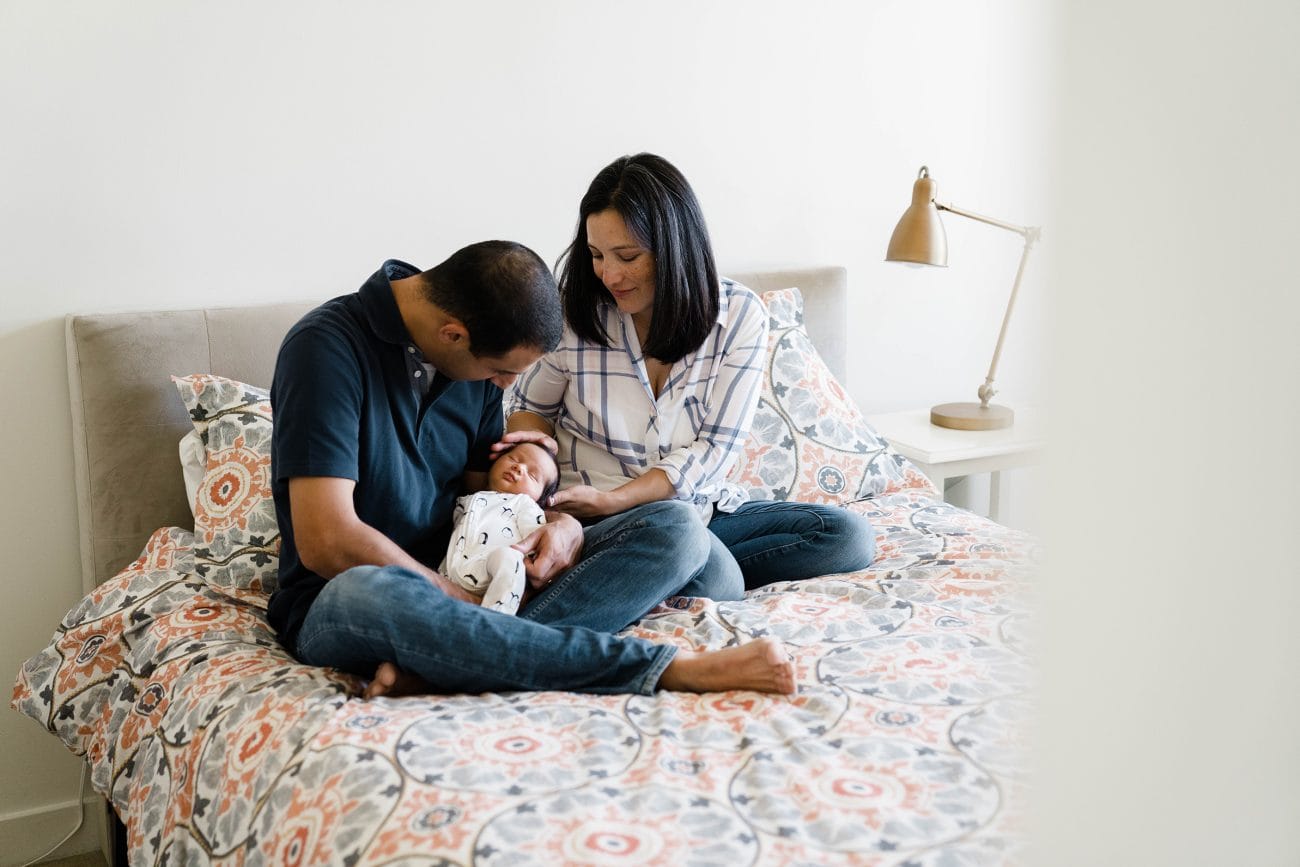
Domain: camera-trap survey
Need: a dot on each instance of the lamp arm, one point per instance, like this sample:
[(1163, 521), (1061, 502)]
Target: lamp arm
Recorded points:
[(1024, 231), (986, 391), (1031, 235)]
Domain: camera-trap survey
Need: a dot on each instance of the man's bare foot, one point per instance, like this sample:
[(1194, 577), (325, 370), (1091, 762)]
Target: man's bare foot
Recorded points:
[(391, 681), (761, 665)]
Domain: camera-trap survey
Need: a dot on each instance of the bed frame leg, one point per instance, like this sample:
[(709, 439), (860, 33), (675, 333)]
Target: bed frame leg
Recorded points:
[(113, 843)]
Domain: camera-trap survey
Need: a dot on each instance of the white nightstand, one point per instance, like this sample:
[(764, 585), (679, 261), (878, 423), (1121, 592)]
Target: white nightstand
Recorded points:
[(944, 454)]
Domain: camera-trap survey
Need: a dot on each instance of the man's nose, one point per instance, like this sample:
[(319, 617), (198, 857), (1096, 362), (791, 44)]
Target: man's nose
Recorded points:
[(504, 380)]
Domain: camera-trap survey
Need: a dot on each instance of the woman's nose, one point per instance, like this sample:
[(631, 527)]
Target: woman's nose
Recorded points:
[(609, 274)]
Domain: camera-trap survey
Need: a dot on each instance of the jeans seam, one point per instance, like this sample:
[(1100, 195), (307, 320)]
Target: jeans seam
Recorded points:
[(304, 638), (622, 530), (803, 541)]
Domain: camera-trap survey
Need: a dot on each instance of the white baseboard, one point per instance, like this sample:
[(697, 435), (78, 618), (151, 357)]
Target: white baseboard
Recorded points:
[(24, 834)]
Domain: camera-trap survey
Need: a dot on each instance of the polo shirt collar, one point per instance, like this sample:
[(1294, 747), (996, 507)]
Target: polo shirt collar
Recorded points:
[(380, 306)]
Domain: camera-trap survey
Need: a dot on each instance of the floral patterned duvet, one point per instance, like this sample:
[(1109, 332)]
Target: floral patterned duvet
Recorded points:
[(899, 748)]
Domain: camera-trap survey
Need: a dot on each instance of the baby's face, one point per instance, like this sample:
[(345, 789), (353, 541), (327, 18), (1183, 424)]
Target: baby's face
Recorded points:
[(525, 469)]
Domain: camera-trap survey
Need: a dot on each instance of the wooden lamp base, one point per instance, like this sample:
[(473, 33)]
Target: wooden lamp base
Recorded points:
[(971, 416)]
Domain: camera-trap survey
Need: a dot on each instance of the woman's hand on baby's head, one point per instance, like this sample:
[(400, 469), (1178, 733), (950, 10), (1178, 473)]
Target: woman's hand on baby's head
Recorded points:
[(510, 440)]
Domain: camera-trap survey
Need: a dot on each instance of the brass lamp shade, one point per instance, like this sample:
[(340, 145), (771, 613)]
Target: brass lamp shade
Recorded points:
[(919, 237)]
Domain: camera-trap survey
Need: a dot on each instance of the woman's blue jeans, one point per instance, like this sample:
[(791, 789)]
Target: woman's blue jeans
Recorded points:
[(561, 640), (765, 541)]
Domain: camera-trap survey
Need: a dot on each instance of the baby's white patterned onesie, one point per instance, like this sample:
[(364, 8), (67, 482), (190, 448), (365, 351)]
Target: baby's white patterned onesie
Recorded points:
[(479, 557)]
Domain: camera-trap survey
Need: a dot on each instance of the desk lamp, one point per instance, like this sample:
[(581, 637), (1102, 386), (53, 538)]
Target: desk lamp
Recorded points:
[(919, 239)]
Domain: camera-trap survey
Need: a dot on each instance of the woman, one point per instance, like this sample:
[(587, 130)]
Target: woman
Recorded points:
[(650, 394)]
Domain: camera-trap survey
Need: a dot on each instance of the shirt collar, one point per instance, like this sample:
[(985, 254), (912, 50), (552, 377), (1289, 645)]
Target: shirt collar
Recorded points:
[(380, 306), (724, 302)]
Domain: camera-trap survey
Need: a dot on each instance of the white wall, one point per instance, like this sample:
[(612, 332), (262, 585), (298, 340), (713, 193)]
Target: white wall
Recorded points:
[(176, 154), (1170, 663)]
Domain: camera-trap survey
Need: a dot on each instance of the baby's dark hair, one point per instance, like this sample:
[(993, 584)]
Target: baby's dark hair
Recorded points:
[(549, 490)]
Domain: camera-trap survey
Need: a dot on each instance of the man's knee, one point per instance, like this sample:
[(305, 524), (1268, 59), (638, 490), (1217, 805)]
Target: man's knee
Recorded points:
[(348, 587), (352, 622), (356, 594)]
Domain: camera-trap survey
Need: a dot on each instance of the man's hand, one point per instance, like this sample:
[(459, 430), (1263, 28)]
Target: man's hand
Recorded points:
[(451, 588), (510, 440), (583, 501), (551, 549)]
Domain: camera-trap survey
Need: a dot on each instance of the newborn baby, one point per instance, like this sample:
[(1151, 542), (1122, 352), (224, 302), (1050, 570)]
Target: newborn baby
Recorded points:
[(479, 557)]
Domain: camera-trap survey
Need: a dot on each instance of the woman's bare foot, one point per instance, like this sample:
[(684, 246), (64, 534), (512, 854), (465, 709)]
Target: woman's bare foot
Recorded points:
[(392, 681), (761, 665)]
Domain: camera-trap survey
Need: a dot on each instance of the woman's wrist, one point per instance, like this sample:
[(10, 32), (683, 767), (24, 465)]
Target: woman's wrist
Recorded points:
[(649, 488), (613, 502)]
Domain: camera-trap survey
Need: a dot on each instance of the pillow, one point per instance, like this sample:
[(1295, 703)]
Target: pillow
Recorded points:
[(808, 441), (236, 537), (69, 687), (115, 663), (194, 464)]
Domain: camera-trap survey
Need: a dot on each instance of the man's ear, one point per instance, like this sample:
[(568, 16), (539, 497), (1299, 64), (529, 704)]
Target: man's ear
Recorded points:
[(452, 331)]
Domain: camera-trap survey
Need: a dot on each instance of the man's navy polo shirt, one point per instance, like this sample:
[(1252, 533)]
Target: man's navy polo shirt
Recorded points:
[(347, 404)]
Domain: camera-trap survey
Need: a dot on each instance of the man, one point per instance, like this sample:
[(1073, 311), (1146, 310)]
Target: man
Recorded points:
[(386, 404)]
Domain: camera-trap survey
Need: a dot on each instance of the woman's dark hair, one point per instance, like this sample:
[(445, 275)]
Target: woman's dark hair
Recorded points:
[(502, 292), (662, 213)]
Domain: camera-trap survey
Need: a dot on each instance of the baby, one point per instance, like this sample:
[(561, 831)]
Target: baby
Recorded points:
[(479, 557)]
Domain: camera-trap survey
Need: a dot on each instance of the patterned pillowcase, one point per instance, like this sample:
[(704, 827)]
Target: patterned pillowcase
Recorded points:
[(808, 441), (236, 537), (70, 686)]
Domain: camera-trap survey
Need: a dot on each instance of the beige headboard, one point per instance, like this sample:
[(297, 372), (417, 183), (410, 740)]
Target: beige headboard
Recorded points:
[(127, 418)]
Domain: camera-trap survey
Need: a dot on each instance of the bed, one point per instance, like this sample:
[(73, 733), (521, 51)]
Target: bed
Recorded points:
[(213, 745)]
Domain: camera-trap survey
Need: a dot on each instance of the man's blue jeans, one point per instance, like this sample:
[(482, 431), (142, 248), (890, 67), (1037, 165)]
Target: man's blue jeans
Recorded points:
[(561, 640), (765, 541)]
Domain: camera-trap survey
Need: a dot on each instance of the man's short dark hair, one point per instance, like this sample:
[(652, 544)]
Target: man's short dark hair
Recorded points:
[(504, 295)]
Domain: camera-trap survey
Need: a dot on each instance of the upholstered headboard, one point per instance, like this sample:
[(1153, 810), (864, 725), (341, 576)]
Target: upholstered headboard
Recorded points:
[(127, 418)]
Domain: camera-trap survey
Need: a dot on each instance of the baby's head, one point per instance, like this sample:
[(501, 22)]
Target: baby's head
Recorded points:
[(527, 468)]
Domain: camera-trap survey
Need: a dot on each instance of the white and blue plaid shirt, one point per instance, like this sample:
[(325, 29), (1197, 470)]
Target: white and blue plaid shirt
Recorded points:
[(611, 428)]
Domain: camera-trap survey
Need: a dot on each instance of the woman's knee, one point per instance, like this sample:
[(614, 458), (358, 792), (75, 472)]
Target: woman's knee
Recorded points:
[(854, 538), (685, 537), (670, 512), (721, 578)]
